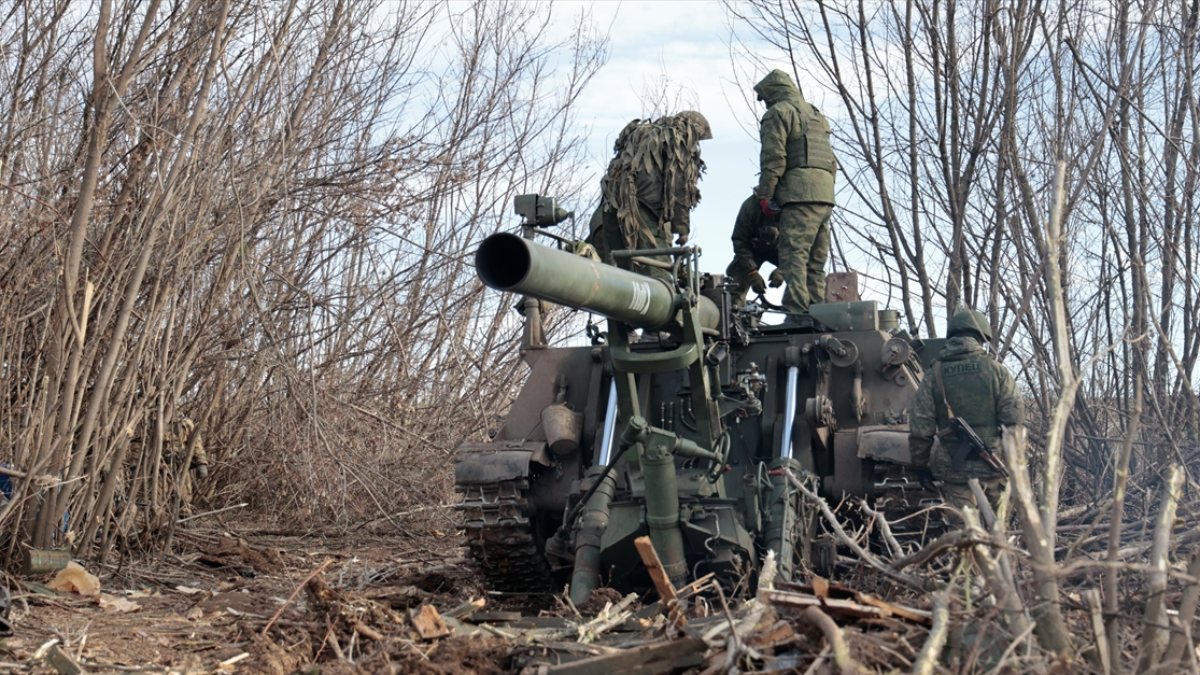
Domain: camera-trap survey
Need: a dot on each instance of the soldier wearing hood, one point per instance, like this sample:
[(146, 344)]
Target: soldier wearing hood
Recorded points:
[(797, 169), (650, 187), (968, 383)]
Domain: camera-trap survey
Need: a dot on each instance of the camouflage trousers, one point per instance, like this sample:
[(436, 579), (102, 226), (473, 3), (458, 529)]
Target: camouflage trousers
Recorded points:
[(649, 235), (958, 495), (803, 252)]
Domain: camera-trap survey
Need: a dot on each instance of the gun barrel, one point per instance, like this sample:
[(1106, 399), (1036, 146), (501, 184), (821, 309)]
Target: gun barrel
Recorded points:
[(507, 262)]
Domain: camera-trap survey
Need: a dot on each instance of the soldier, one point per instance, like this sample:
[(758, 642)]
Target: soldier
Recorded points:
[(157, 478), (176, 443), (650, 187), (755, 241), (797, 170), (968, 383)]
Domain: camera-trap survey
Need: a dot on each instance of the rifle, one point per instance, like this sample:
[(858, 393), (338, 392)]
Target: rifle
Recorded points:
[(968, 439)]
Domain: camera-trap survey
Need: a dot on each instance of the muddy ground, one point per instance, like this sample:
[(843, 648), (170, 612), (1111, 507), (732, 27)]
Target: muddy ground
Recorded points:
[(208, 605), (256, 602)]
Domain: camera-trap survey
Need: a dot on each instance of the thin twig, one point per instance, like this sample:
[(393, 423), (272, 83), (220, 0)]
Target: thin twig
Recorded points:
[(279, 612), (213, 512), (905, 579)]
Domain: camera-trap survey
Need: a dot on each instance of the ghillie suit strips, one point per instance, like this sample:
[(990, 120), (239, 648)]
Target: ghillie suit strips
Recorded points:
[(656, 166)]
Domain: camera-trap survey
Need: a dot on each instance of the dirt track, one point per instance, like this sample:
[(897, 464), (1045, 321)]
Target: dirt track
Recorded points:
[(271, 604), (210, 603)]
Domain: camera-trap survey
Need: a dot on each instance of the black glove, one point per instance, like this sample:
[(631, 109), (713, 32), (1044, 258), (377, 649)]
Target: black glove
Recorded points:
[(757, 283), (925, 478), (776, 278)]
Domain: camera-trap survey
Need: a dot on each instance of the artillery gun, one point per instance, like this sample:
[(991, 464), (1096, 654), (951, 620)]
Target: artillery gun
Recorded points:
[(682, 432)]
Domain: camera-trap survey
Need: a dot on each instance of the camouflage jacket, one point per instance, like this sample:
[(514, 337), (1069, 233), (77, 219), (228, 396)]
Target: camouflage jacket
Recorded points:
[(980, 390), (755, 239), (177, 438), (174, 445), (657, 166), (796, 161)]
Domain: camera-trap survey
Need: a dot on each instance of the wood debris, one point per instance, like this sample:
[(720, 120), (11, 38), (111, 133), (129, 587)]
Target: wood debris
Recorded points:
[(662, 584), (428, 623), (771, 626), (649, 659), (843, 601)]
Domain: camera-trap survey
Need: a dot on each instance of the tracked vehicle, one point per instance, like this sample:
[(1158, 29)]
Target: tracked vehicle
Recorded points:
[(678, 422)]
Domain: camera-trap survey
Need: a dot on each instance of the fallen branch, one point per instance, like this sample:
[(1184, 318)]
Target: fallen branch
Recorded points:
[(279, 612), (651, 659), (946, 542), (466, 609), (213, 512), (755, 609), (612, 616), (815, 666), (841, 651), (57, 659), (861, 607), (831, 518), (928, 657)]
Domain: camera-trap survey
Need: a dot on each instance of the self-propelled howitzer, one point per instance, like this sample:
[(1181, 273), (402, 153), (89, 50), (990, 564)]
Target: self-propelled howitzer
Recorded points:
[(682, 433)]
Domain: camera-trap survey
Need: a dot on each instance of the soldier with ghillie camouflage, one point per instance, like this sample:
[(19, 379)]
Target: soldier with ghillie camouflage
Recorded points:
[(797, 169), (176, 441), (755, 241), (156, 477), (964, 382), (650, 187)]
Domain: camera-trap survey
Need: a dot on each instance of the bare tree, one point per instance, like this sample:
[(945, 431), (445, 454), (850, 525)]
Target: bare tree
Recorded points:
[(260, 217)]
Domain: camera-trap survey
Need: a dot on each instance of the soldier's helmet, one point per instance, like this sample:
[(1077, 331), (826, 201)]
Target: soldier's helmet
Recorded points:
[(971, 323), (699, 121)]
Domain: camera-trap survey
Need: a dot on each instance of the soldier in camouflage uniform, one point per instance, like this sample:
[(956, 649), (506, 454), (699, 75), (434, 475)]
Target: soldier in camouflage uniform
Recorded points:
[(176, 443), (967, 382), (650, 187), (797, 169), (755, 241), (156, 477)]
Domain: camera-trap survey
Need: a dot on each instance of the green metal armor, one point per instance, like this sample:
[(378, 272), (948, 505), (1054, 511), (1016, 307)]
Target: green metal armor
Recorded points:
[(682, 438)]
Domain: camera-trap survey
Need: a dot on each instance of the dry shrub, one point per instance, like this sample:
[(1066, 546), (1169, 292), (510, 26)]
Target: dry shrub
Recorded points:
[(260, 217)]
